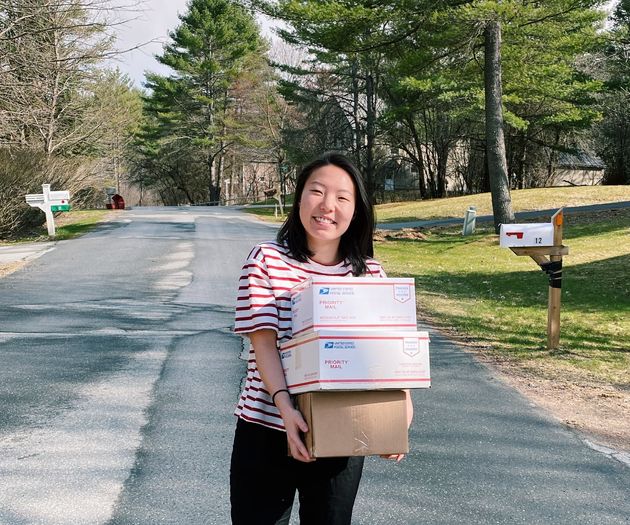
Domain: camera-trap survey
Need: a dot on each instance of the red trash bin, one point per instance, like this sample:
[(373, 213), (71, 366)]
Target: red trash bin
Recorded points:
[(118, 203)]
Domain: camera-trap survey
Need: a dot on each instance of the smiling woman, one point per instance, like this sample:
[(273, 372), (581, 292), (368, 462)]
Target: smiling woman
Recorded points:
[(322, 191), (328, 232)]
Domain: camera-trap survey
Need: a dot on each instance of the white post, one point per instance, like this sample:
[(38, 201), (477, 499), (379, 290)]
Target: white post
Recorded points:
[(227, 191), (50, 220), (279, 199), (470, 218)]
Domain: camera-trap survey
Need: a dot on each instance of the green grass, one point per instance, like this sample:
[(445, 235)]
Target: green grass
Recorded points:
[(499, 300), (522, 200), (68, 225), (455, 207), (269, 214)]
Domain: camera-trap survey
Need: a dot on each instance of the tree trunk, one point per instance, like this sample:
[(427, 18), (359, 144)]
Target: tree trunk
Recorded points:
[(420, 159), (495, 142), (442, 151), (484, 186), (552, 159), (356, 123), (370, 132), (429, 164), (220, 170), (210, 176)]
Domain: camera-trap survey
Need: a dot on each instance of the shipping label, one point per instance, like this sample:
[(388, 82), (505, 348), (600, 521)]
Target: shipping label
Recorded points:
[(402, 292), (340, 345), (336, 290), (410, 347)]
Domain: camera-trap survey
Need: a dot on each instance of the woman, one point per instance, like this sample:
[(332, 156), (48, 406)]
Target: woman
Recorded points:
[(328, 232)]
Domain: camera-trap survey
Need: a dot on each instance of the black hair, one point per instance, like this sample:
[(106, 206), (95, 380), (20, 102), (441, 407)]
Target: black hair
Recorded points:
[(355, 245)]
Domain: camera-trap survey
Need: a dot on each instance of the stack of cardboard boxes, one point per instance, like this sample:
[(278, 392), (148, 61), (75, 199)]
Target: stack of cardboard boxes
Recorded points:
[(354, 348)]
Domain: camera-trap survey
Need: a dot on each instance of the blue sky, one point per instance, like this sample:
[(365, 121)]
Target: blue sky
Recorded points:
[(149, 25)]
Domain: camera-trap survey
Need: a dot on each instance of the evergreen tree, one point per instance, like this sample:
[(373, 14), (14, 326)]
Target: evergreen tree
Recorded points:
[(529, 74), (339, 89), (614, 131), (187, 128)]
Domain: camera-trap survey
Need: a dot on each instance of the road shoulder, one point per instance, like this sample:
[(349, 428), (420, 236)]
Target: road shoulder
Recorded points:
[(13, 257), (597, 413)]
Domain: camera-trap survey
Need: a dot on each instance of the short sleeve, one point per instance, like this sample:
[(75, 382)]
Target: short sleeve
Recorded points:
[(256, 307), (374, 269)]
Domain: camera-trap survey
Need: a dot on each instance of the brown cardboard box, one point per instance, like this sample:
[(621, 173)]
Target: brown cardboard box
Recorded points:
[(360, 423)]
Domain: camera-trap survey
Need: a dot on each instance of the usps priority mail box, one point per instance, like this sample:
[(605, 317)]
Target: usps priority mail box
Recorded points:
[(353, 302), (521, 235), (356, 360)]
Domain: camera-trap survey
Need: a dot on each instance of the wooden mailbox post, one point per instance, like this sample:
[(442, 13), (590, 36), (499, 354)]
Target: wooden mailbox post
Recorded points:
[(551, 265)]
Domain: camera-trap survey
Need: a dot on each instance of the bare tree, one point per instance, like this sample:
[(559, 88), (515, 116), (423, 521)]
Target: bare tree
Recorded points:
[(58, 106)]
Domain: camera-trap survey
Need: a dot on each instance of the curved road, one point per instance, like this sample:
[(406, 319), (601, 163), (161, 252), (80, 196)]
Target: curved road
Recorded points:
[(120, 373)]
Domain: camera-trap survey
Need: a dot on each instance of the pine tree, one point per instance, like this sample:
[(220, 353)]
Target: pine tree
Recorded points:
[(614, 131), (188, 111)]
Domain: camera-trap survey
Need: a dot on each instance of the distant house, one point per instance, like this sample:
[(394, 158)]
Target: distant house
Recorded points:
[(395, 175), (577, 169)]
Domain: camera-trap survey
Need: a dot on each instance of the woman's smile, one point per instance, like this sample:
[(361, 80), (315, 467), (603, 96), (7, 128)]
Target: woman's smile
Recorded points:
[(324, 220)]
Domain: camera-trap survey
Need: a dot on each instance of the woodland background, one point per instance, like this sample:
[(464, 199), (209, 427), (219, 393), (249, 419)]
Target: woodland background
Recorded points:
[(429, 98)]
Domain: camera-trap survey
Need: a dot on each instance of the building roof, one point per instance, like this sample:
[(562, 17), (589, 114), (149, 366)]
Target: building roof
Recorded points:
[(580, 160)]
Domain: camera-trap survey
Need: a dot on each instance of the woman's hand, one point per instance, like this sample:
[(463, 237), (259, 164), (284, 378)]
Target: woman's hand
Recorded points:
[(268, 362), (294, 424), (397, 457)]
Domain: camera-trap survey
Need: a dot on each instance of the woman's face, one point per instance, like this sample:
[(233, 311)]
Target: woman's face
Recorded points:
[(327, 205)]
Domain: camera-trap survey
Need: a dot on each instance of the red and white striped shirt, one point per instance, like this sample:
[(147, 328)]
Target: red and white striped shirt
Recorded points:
[(264, 302)]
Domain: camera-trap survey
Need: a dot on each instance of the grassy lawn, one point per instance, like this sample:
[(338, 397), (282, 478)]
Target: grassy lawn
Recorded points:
[(522, 200), (67, 226), (454, 207), (272, 212), (498, 300)]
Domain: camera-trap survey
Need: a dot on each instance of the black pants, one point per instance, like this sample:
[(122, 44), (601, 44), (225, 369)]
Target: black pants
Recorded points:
[(263, 481)]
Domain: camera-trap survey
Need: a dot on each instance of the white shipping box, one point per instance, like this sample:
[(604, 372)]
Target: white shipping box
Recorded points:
[(521, 235), (353, 302), (356, 360)]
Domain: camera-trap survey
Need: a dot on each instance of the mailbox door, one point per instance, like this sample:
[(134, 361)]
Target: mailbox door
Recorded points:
[(526, 235)]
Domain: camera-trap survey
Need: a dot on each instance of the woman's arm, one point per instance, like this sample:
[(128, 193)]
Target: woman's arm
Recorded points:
[(409, 408), (270, 369)]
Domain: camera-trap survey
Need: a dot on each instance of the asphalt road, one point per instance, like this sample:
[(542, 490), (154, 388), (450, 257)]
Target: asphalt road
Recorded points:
[(119, 375)]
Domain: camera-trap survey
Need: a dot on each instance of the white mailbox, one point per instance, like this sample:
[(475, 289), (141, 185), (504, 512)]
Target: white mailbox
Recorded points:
[(522, 235), (49, 202), (59, 196), (35, 200)]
